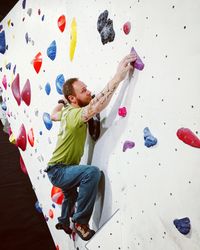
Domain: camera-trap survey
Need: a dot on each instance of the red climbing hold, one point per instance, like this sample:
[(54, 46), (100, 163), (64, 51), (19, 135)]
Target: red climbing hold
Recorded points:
[(16, 89), (127, 28), (122, 111), (31, 137), (61, 23), (57, 195), (21, 139), (188, 137), (26, 93), (51, 215), (23, 167), (37, 62)]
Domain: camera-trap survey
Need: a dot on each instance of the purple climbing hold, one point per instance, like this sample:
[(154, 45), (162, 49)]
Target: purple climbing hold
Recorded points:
[(128, 144), (2, 42), (150, 140), (105, 28), (24, 4), (47, 121), (138, 64), (48, 88), (51, 51), (59, 83), (183, 225)]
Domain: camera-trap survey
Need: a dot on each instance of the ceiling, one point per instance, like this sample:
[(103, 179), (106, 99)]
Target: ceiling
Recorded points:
[(5, 7)]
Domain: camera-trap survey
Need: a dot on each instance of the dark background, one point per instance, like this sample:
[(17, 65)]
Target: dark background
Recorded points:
[(22, 227)]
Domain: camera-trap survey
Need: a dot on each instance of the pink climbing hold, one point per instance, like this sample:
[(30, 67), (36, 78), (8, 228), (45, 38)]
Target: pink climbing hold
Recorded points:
[(26, 93), (127, 28), (21, 139), (61, 23), (4, 82), (16, 89), (31, 137), (188, 137), (23, 167), (37, 62), (128, 144), (57, 195), (122, 112)]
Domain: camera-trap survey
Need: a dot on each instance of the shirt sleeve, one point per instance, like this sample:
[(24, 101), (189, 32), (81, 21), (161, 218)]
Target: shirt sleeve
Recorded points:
[(74, 118)]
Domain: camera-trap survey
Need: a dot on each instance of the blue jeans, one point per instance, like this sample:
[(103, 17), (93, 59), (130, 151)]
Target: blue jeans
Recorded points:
[(68, 178)]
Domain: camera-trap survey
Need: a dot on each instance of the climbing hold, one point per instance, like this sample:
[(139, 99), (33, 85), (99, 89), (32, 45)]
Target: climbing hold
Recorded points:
[(51, 51), (150, 140), (9, 21), (31, 137), (29, 11), (73, 39), (1, 27), (8, 66), (26, 37), (39, 11), (37, 62), (61, 23), (24, 4), (57, 195), (26, 93), (43, 18), (122, 112), (127, 28), (3, 106), (128, 144), (4, 82), (22, 165), (12, 138), (2, 42), (14, 69), (21, 139), (60, 80), (138, 64), (48, 88), (57, 247), (16, 89), (47, 121), (38, 207), (188, 137), (183, 225), (105, 28), (51, 215)]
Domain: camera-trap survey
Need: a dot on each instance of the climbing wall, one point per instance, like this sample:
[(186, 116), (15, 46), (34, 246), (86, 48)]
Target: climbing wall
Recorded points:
[(149, 144)]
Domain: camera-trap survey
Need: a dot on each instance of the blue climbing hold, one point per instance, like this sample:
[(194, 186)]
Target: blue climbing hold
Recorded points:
[(43, 18), (3, 106), (51, 51), (40, 132), (59, 83), (2, 42), (38, 207), (150, 140), (183, 225), (47, 121), (26, 37), (48, 88), (8, 66), (14, 69)]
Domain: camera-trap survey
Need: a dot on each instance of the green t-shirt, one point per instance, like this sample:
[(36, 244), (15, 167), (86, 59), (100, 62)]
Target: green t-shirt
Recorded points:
[(71, 137)]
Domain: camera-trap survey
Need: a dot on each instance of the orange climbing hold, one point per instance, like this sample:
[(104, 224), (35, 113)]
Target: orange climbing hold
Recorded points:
[(51, 214), (57, 195)]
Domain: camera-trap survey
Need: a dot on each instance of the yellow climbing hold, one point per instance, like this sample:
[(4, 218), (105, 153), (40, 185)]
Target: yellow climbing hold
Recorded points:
[(12, 139), (73, 39), (9, 21)]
